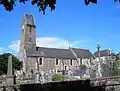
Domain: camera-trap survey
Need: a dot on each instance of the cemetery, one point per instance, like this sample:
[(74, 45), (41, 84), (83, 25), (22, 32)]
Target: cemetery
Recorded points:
[(53, 69)]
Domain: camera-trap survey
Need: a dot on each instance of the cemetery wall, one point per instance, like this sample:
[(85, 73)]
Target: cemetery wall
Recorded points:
[(83, 85)]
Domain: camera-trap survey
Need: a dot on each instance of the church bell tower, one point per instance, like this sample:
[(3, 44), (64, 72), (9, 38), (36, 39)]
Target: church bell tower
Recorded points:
[(28, 41)]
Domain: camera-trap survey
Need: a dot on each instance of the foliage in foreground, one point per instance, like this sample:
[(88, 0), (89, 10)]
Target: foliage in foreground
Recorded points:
[(41, 4)]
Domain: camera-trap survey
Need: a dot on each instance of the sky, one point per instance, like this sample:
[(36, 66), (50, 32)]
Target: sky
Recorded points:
[(72, 23)]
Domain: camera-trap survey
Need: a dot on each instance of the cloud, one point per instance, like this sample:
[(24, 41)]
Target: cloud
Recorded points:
[(15, 45), (51, 42), (5, 50), (1, 50)]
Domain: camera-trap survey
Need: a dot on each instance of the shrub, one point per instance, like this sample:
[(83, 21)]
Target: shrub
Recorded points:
[(59, 77), (82, 66)]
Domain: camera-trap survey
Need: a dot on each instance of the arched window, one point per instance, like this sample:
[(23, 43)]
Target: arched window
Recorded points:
[(80, 60), (56, 61), (65, 68), (40, 61), (90, 60), (71, 62), (32, 71)]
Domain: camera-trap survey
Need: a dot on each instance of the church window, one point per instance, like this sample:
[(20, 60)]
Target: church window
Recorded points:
[(90, 60), (80, 60), (32, 71), (56, 61), (65, 68), (71, 62), (40, 61)]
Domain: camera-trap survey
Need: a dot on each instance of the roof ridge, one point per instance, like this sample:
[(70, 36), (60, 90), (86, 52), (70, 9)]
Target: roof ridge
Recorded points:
[(103, 50), (53, 48), (63, 48), (80, 48)]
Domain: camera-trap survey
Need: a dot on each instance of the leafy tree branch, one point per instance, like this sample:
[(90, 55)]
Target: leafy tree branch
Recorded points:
[(42, 4)]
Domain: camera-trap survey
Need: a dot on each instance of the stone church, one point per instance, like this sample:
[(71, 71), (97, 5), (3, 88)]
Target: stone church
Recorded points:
[(36, 58)]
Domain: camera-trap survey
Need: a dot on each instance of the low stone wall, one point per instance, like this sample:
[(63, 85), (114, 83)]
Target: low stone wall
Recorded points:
[(83, 85)]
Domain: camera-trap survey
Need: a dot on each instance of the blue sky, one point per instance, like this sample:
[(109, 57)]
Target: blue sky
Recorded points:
[(72, 23)]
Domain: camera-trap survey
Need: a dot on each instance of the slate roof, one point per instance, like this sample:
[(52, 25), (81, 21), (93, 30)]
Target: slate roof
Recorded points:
[(82, 53), (54, 52), (105, 52), (60, 53)]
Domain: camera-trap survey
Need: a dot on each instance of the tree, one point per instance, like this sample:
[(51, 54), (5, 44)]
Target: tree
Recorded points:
[(116, 68), (117, 56), (42, 4), (4, 63)]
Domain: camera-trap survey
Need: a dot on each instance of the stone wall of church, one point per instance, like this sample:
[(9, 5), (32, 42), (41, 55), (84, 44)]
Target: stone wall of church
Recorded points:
[(31, 63), (49, 64)]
